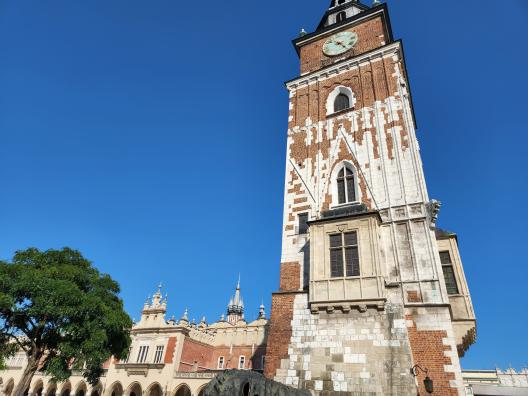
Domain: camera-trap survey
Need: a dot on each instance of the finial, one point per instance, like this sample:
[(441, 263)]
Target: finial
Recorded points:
[(238, 283), (302, 32), (376, 2), (185, 315), (203, 319), (222, 318), (262, 311)]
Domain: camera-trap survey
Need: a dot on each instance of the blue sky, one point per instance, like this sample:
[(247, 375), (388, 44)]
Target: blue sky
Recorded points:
[(151, 136)]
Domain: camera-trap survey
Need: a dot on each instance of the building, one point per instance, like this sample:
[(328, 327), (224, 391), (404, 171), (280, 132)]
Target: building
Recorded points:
[(167, 357), (369, 286), (496, 382), (372, 297)]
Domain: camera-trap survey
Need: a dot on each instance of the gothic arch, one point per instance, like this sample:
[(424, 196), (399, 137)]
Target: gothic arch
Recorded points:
[(96, 390), (65, 389), (116, 389), (183, 390), (334, 184), (38, 388), (339, 90), (51, 389), (81, 389), (154, 389), (134, 389), (201, 390)]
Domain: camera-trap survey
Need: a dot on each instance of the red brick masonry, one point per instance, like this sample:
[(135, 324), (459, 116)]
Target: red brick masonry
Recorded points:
[(428, 352)]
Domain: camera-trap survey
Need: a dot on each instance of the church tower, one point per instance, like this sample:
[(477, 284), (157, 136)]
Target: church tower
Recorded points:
[(369, 286)]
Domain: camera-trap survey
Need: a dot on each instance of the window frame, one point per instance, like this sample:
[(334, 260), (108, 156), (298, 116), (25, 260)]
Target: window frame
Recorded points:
[(158, 354), (305, 224), (142, 353), (451, 266), (330, 100), (218, 365), (338, 20), (335, 187), (342, 249), (242, 362)]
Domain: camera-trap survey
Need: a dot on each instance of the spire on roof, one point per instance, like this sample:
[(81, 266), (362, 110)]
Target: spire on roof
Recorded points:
[(235, 309), (262, 311)]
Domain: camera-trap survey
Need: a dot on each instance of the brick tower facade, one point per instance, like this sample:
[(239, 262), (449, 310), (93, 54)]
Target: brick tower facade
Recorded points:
[(369, 286)]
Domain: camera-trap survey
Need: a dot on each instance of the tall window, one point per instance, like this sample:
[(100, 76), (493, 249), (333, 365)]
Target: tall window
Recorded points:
[(303, 223), (449, 273), (344, 255), (142, 354), (221, 362), (346, 189), (159, 354), (342, 102), (262, 361), (241, 362), (341, 16)]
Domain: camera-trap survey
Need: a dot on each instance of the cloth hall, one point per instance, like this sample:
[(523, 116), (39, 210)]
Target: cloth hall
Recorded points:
[(372, 297)]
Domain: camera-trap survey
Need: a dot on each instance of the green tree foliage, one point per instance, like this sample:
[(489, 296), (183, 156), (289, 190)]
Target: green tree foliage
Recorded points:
[(64, 314)]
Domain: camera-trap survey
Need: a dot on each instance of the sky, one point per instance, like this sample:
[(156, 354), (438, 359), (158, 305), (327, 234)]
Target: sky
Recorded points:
[(151, 136)]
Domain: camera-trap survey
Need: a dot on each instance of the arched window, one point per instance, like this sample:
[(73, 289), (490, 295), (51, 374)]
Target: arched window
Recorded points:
[(341, 102), (341, 16), (346, 186)]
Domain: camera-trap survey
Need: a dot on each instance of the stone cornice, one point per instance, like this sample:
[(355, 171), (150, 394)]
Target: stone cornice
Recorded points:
[(344, 66)]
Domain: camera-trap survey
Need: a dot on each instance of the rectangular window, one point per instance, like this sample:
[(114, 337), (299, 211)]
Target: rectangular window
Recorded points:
[(142, 354), (159, 354), (344, 255), (221, 363), (303, 223), (449, 273), (241, 362)]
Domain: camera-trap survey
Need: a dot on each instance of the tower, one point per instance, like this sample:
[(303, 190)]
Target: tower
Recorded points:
[(235, 308), (365, 289)]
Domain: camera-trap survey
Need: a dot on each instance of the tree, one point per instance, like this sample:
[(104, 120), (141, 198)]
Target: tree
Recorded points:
[(65, 315)]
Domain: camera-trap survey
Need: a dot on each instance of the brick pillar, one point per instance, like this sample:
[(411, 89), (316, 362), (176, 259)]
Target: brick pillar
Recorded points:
[(280, 329), (428, 349)]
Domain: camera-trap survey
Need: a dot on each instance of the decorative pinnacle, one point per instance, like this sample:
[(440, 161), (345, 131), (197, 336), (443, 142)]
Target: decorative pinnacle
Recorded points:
[(376, 2), (303, 32)]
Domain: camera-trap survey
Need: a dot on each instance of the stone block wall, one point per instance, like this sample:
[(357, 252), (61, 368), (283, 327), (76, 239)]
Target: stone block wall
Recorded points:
[(364, 352)]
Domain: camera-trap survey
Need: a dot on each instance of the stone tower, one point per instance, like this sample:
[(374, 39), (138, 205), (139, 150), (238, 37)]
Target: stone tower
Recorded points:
[(369, 286)]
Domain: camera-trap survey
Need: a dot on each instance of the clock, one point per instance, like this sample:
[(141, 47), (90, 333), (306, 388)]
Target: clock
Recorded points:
[(340, 43)]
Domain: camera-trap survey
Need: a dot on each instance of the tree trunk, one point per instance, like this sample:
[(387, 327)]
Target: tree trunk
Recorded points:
[(27, 376)]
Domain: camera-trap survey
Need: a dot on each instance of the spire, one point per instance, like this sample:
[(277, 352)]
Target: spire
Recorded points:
[(235, 309), (262, 312)]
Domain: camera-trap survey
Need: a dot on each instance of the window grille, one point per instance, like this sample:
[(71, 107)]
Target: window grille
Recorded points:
[(159, 354), (142, 354)]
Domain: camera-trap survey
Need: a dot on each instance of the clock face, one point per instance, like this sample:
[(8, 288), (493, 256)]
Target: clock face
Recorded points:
[(340, 43)]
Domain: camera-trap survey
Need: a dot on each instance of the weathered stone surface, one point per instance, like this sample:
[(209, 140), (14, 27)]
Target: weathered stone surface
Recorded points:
[(248, 383)]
